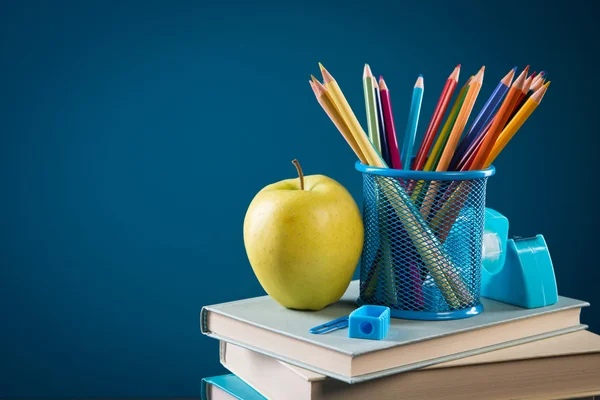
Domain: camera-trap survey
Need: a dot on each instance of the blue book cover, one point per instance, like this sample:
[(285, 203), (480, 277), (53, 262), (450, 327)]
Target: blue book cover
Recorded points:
[(231, 385)]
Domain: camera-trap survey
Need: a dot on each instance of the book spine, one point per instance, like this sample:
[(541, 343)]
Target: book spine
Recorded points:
[(203, 390), (204, 321), (222, 352)]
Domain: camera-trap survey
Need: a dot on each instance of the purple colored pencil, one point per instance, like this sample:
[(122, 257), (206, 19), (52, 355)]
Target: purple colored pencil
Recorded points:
[(487, 111)]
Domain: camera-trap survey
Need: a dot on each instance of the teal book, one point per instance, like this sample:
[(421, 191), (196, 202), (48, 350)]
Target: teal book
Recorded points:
[(262, 325), (227, 387)]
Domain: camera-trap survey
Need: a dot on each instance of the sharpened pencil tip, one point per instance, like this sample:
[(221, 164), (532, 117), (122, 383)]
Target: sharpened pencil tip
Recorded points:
[(382, 85), (367, 72), (420, 75), (419, 83), (455, 74), (543, 73), (327, 78), (539, 94), (317, 84)]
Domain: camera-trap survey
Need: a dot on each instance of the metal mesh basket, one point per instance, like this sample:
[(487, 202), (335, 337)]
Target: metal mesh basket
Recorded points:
[(423, 241)]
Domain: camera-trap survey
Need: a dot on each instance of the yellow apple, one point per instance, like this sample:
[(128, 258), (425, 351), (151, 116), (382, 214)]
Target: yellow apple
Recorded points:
[(303, 238)]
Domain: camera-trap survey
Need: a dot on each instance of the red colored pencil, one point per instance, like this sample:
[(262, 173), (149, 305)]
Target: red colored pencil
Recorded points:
[(390, 129), (436, 119)]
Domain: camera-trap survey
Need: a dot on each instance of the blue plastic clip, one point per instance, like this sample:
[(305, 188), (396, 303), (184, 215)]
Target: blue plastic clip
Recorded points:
[(330, 326)]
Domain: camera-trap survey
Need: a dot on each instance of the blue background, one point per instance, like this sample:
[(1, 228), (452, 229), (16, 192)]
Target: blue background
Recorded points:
[(135, 134)]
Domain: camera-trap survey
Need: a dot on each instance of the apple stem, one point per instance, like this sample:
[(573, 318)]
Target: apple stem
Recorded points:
[(300, 174)]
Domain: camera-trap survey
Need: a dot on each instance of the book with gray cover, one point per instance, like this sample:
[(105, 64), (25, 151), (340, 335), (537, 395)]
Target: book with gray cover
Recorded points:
[(262, 325)]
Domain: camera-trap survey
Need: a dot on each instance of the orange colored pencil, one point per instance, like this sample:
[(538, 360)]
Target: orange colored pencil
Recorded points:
[(457, 129), (461, 121), (500, 121)]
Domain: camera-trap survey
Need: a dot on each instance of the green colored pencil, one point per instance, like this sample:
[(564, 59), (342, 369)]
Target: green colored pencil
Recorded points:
[(371, 107)]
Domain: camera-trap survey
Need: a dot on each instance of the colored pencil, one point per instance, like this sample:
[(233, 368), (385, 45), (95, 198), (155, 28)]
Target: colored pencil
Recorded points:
[(486, 113), (438, 147), (436, 119), (516, 123), (454, 290), (459, 126), (325, 101), (500, 120), (390, 128), (461, 121), (385, 151), (535, 85), (413, 122), (345, 111), (467, 157), (431, 163), (539, 78), (527, 84), (371, 107)]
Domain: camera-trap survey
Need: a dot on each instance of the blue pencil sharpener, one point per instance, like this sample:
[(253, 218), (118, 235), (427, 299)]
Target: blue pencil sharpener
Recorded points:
[(369, 322)]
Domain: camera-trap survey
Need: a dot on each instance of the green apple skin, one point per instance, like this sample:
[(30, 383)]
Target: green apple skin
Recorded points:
[(304, 245)]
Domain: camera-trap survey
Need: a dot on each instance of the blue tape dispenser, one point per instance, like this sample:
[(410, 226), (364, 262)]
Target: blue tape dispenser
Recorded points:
[(516, 271)]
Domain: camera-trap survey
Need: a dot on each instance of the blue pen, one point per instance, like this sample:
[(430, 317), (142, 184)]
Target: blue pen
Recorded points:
[(487, 112), (413, 122)]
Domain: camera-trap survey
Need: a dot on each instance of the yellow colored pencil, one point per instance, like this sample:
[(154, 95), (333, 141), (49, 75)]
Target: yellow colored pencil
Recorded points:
[(348, 116), (326, 102), (515, 124)]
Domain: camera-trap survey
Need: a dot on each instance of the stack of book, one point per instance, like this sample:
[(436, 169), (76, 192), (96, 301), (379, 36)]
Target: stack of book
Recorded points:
[(506, 352)]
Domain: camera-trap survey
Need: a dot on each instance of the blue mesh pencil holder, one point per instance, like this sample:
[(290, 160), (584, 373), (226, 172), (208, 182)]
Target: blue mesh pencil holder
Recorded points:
[(423, 242)]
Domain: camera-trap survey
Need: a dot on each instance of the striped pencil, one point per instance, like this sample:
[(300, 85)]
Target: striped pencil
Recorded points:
[(436, 119)]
